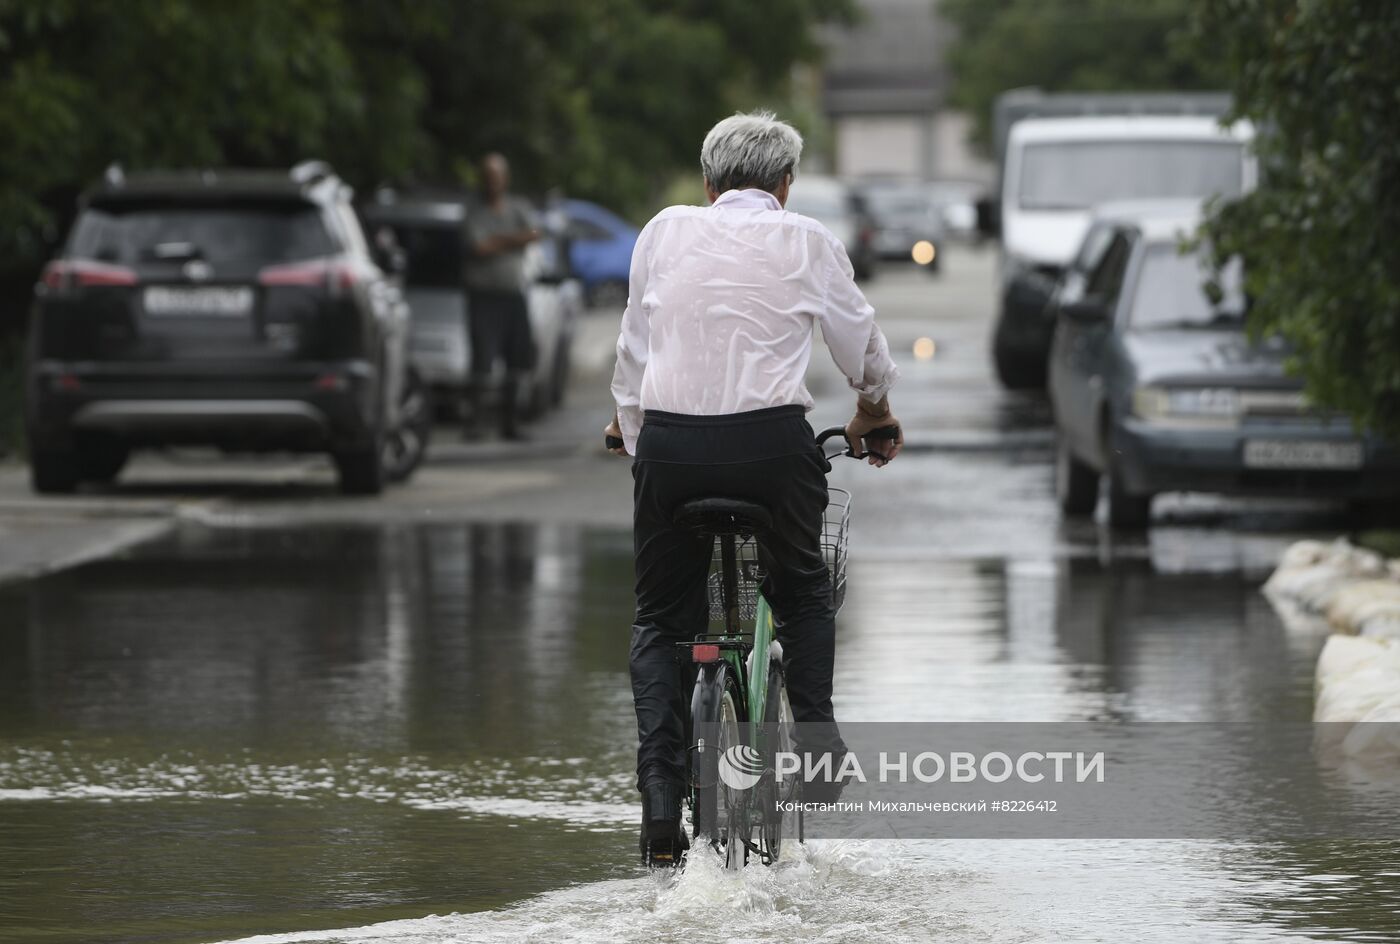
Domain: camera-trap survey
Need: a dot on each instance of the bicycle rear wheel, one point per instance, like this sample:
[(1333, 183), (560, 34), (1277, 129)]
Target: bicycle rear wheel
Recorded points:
[(717, 713), (777, 822)]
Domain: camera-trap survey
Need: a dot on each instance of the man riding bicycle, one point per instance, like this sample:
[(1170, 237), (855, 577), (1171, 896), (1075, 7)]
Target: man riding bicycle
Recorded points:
[(711, 399)]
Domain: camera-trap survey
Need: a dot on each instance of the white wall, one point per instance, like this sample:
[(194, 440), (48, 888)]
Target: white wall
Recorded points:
[(921, 146), (882, 144)]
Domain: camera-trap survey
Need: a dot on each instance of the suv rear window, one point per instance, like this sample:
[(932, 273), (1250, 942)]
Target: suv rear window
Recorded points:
[(260, 233)]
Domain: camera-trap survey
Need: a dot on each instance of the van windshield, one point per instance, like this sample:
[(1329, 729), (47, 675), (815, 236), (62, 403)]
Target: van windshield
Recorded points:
[(1076, 175)]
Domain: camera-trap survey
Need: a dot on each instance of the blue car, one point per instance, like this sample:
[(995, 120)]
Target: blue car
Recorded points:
[(600, 250)]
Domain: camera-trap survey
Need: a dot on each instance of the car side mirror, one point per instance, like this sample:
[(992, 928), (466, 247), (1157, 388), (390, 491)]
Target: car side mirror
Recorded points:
[(988, 217), (1085, 311)]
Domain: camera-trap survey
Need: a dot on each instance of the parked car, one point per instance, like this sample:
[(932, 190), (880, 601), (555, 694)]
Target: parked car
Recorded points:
[(840, 209), (957, 202), (429, 227), (1054, 172), (240, 309), (1157, 387), (600, 251), (905, 215)]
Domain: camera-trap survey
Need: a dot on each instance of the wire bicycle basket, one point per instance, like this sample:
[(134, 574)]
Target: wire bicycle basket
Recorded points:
[(835, 532)]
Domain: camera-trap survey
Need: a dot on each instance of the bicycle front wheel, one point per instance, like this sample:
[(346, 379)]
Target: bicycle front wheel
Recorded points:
[(776, 796), (717, 714)]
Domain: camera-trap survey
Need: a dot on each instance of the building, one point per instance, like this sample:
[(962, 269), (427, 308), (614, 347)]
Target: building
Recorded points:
[(884, 92)]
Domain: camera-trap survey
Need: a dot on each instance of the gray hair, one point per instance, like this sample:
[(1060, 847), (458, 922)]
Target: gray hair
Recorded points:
[(753, 150)]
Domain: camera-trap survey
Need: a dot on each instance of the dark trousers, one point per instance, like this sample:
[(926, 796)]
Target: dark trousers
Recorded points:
[(767, 457), (498, 324)]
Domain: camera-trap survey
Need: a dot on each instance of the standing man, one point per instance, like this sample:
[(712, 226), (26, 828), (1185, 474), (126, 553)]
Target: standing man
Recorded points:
[(499, 225)]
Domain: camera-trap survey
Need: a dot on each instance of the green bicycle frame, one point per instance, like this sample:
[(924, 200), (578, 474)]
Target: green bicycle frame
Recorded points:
[(756, 670)]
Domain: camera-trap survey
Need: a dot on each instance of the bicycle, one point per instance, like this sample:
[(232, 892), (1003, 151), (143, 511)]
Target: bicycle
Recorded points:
[(739, 713)]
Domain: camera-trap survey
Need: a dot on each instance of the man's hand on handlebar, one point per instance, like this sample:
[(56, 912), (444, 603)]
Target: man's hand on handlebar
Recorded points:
[(872, 418), (612, 438)]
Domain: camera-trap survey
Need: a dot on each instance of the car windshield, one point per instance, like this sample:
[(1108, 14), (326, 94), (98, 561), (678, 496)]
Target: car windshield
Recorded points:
[(434, 255), (249, 233), (1176, 290), (899, 201), (1076, 175), (818, 204)]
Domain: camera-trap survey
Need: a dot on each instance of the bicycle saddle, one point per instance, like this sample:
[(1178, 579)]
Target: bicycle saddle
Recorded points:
[(722, 516)]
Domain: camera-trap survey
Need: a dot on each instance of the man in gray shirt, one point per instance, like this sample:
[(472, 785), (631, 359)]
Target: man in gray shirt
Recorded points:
[(499, 226)]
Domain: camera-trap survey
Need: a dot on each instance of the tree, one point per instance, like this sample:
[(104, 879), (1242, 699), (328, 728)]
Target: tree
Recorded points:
[(1070, 45), (1321, 81), (604, 99)]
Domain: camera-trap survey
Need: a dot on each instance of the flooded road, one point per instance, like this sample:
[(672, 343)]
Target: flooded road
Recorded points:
[(241, 732), (409, 721)]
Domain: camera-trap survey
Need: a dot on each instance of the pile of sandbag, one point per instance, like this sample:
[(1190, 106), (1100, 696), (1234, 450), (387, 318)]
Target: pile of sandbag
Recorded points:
[(1357, 592)]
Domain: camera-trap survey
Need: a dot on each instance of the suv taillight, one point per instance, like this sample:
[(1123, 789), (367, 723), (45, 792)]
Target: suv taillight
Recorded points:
[(335, 276), (66, 274)]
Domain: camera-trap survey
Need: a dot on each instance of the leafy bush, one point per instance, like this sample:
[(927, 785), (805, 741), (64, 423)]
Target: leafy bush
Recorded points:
[(1321, 79)]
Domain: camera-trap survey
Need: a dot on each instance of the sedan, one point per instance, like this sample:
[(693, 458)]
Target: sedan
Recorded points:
[(1157, 387), (840, 209)]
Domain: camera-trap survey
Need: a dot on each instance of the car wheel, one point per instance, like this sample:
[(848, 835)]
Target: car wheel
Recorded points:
[(1376, 512), (53, 472), (1015, 370), (1076, 483), (406, 447), (101, 459), (1127, 511), (559, 382), (361, 468), (361, 471)]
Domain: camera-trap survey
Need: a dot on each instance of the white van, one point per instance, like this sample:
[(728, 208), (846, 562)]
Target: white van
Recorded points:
[(1056, 170)]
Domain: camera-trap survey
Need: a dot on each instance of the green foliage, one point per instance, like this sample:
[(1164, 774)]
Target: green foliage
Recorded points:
[(1321, 79), (1070, 45), (605, 99)]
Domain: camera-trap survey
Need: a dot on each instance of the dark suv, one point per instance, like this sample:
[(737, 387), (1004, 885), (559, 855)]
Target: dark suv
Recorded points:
[(237, 309)]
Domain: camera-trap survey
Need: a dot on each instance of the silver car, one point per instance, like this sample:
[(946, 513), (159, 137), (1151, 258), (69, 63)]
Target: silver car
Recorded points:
[(908, 221), (1157, 387), (839, 208), (428, 229)]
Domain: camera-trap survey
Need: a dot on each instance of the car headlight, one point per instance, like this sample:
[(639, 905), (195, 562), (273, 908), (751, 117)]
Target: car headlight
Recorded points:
[(1187, 405)]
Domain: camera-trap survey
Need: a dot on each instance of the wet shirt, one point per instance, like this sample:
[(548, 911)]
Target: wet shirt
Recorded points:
[(504, 271), (722, 304)]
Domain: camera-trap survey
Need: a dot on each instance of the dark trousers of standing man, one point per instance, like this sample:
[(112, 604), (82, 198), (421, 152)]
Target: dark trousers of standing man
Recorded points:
[(767, 457), (498, 324)]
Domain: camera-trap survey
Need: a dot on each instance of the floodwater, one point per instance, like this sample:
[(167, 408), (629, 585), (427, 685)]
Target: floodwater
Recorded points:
[(417, 733)]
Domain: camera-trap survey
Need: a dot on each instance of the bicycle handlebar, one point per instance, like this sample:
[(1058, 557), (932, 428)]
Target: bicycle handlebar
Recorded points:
[(888, 433), (883, 433)]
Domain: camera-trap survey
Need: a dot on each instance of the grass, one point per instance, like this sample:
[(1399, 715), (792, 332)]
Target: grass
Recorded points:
[(1384, 541)]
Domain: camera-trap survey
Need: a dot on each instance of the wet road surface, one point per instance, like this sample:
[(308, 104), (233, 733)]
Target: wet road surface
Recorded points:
[(293, 714)]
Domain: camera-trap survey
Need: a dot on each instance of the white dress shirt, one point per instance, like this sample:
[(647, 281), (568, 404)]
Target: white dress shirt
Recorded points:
[(721, 306)]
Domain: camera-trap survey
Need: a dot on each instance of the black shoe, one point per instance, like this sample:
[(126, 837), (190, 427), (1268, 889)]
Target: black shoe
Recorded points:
[(663, 842), (821, 790)]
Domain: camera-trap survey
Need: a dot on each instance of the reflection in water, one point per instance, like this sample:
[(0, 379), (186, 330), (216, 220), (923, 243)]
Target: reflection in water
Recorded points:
[(251, 731)]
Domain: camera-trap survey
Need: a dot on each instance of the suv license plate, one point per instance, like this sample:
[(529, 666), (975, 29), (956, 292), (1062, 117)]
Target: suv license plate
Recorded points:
[(215, 302), (1301, 454)]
